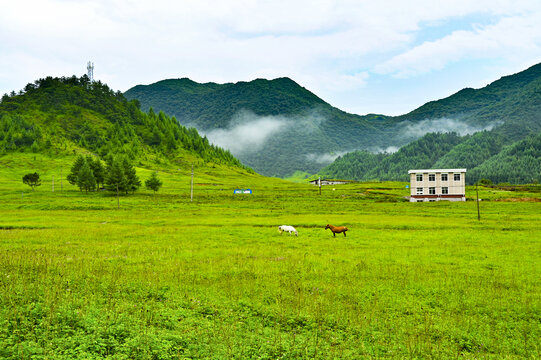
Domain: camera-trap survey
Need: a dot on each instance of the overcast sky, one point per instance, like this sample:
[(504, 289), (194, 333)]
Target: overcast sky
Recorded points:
[(386, 56)]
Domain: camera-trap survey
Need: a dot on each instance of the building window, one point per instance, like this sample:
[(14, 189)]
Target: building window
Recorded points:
[(419, 191), (432, 191), (444, 177), (445, 190), (432, 177), (419, 177), (457, 177)]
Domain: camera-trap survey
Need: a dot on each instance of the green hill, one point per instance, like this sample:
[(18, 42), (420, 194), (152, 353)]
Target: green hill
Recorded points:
[(512, 105), (69, 115), (278, 127), (422, 153), (483, 154), (296, 130), (517, 163)]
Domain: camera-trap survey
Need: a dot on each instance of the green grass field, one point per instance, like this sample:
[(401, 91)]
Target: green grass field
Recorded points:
[(166, 278)]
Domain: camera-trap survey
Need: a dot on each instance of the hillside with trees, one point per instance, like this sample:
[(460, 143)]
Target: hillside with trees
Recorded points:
[(508, 109), (309, 127), (482, 154), (69, 115)]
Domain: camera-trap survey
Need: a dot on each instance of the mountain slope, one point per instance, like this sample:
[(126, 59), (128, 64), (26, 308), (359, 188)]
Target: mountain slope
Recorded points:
[(506, 153), (422, 153), (71, 114), (295, 129), (292, 129), (212, 105), (483, 154), (517, 163)]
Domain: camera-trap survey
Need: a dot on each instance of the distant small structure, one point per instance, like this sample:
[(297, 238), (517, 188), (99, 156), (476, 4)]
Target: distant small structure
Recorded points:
[(90, 69), (329, 182), (242, 191), (437, 184)]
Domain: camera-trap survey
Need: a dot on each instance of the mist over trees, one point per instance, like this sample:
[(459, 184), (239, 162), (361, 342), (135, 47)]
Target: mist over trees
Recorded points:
[(482, 154)]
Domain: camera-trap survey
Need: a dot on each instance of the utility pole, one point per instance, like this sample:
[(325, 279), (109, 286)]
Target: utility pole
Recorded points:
[(478, 212), (191, 188), (319, 182)]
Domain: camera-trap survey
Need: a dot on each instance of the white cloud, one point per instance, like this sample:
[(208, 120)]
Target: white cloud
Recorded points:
[(247, 132), (325, 158), (330, 47), (510, 38), (415, 130), (388, 149)]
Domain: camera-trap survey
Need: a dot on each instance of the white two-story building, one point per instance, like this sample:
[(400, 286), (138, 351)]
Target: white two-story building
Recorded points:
[(437, 184)]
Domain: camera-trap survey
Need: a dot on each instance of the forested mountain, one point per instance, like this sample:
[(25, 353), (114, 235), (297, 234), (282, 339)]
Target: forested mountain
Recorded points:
[(421, 154), (293, 129), (482, 154), (65, 114), (518, 163)]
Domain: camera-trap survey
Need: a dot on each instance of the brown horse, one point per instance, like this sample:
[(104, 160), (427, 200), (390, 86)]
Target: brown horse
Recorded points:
[(336, 229)]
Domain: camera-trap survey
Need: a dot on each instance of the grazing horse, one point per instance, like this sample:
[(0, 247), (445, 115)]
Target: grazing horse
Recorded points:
[(287, 228), (336, 229)]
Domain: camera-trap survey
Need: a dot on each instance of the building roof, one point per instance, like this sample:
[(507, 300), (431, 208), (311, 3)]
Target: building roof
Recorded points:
[(437, 171)]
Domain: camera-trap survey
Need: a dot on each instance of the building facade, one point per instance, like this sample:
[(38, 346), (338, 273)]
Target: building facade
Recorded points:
[(437, 184)]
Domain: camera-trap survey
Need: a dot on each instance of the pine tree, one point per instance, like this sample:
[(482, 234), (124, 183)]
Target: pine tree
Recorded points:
[(85, 178), (153, 182), (132, 180), (74, 171), (115, 179), (98, 170)]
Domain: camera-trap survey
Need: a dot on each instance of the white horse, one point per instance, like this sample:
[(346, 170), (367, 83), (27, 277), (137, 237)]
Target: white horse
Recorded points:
[(287, 228)]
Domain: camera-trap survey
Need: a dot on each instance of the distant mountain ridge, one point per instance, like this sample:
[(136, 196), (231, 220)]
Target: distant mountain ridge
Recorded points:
[(306, 133), (210, 105), (308, 126)]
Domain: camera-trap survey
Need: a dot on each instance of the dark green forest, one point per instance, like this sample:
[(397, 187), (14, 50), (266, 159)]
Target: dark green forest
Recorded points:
[(68, 114), (312, 126), (482, 154), (508, 108)]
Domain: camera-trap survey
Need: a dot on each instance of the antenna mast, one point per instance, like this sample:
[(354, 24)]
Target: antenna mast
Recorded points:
[(90, 68)]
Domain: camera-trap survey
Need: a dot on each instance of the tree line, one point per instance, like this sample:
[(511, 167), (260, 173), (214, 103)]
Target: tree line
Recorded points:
[(117, 175), (484, 154)]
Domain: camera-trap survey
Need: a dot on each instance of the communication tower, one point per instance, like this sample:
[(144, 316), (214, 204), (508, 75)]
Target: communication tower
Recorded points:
[(90, 68)]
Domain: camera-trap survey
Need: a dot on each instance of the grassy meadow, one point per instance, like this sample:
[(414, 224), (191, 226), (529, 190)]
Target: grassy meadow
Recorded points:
[(165, 278)]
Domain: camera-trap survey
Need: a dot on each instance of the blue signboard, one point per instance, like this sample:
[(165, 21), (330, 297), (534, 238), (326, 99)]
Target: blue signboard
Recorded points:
[(242, 191)]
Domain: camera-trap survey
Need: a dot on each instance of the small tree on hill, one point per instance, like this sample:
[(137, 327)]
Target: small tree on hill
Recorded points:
[(85, 179), (98, 170), (132, 180), (115, 179), (153, 182), (32, 180), (74, 171)]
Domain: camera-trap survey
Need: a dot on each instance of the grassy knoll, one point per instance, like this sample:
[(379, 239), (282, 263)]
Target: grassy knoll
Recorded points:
[(163, 277)]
